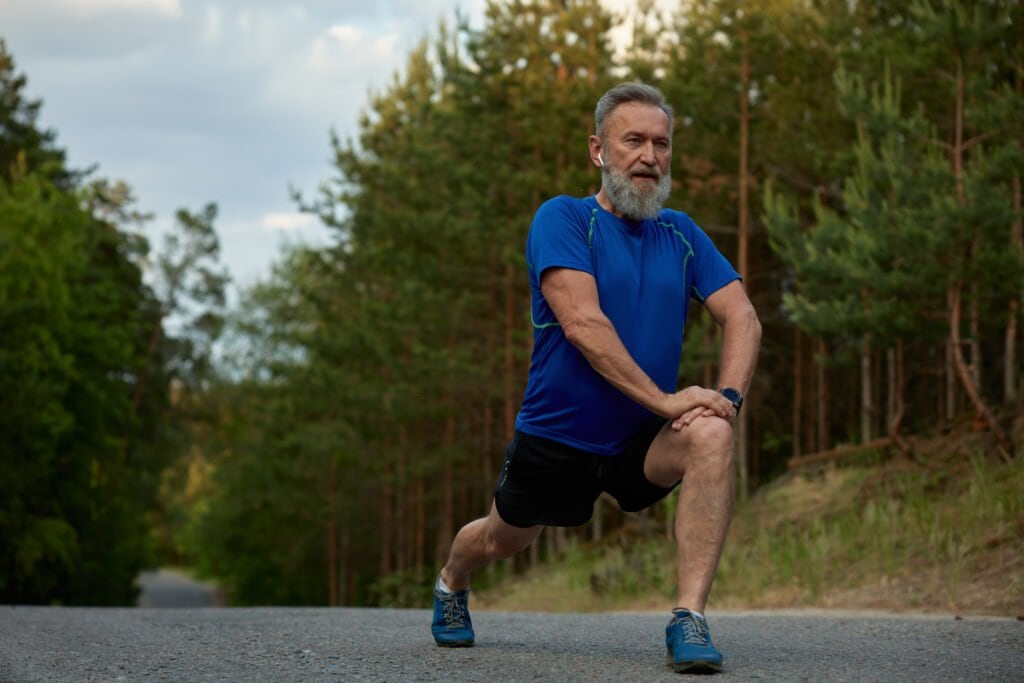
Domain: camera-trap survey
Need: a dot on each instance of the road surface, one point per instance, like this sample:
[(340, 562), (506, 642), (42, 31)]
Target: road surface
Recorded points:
[(171, 588), (349, 644)]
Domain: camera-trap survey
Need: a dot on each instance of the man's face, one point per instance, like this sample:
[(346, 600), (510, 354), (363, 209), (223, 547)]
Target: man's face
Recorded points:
[(637, 152)]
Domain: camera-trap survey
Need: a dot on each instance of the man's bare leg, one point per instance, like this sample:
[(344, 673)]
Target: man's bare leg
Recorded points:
[(701, 454), (483, 541), (479, 542)]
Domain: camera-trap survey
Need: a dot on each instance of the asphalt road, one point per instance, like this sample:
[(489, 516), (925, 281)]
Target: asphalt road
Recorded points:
[(347, 644), (170, 588)]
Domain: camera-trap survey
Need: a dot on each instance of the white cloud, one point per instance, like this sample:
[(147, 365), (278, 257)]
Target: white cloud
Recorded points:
[(345, 33), (286, 222), (166, 8), (346, 51), (213, 24)]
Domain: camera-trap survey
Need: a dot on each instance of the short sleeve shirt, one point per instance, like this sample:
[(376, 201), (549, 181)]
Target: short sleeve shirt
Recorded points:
[(646, 273)]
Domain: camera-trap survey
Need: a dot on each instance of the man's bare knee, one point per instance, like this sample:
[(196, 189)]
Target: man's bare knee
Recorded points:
[(504, 540), (706, 441), (503, 549)]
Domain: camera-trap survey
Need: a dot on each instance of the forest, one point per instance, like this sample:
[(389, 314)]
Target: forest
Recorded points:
[(858, 161)]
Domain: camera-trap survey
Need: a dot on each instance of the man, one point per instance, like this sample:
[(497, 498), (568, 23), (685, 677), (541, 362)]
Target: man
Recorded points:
[(611, 277)]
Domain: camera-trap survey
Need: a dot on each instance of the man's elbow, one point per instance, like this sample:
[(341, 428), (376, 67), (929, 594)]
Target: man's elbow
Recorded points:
[(575, 331), (755, 325), (746, 319), (579, 330)]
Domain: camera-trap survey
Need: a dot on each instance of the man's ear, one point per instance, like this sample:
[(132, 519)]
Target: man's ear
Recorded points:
[(596, 150)]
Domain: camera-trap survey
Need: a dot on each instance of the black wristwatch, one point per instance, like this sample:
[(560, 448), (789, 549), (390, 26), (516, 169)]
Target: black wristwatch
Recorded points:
[(734, 396)]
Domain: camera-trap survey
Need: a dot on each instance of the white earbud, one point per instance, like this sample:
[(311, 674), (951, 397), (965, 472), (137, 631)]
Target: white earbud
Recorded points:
[(600, 159)]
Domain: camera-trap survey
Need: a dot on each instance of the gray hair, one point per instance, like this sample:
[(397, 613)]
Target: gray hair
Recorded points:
[(625, 93)]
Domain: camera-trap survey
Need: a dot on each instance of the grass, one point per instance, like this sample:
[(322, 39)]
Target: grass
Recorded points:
[(944, 536)]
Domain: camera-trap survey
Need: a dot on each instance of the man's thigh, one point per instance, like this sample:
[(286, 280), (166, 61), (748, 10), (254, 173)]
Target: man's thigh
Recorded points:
[(624, 477), (545, 483)]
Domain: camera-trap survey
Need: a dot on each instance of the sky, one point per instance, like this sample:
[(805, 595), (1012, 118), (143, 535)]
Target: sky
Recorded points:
[(225, 101)]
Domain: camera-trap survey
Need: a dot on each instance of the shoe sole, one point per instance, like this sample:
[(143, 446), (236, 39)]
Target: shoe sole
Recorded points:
[(697, 666), (455, 643)]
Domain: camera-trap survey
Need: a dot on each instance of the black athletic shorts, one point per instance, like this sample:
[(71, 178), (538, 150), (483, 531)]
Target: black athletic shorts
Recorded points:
[(546, 482)]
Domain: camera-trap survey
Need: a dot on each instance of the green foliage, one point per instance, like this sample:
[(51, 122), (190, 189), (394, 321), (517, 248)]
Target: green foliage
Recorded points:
[(383, 368), (368, 387), (924, 237), (191, 286), (377, 378), (85, 435), (35, 316), (404, 588), (69, 310), (24, 148), (881, 264), (627, 570)]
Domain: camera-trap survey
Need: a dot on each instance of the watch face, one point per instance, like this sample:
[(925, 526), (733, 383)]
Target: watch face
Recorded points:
[(733, 395)]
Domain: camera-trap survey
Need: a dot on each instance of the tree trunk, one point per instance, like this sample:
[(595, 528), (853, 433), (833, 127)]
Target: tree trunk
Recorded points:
[(490, 452), (510, 357), (401, 501), (896, 422), (891, 388), (866, 407), (824, 435), (966, 379), (510, 374), (140, 383), (975, 342), (345, 577), (560, 536), (1017, 246), (798, 391), (742, 447), (709, 367), (386, 531), (490, 351), (420, 524), (446, 529), (950, 375), (332, 535)]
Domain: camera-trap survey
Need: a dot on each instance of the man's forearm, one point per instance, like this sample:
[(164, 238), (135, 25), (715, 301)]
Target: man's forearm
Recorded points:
[(600, 344), (741, 340)]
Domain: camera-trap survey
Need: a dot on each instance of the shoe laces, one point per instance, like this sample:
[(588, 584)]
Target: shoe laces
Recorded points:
[(453, 612), (695, 629)]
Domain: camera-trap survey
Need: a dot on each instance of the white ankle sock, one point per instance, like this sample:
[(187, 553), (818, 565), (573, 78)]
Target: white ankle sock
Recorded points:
[(691, 611), (442, 586)]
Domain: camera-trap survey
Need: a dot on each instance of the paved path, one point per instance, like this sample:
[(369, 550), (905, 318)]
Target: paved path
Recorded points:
[(169, 588), (288, 644)]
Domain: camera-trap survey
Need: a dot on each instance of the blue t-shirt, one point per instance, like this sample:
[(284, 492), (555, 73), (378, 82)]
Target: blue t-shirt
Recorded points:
[(646, 273)]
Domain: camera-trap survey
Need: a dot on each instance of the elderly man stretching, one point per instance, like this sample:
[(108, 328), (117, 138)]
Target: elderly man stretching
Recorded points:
[(611, 278)]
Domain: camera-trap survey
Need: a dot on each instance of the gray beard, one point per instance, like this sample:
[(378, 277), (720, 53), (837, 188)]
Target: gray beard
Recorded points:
[(636, 203)]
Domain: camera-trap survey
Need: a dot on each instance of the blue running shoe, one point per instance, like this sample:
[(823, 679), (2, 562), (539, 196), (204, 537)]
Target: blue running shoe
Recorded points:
[(690, 649), (452, 626)]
